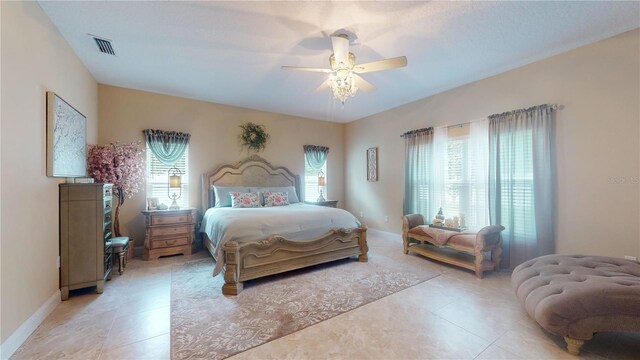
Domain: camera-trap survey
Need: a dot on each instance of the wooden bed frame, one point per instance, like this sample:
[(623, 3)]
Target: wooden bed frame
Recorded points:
[(275, 254)]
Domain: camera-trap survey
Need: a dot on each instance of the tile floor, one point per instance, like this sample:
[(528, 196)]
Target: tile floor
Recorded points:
[(453, 316)]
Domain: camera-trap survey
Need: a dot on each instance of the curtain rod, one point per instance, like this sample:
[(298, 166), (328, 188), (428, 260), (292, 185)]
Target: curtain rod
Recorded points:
[(552, 106), (417, 131)]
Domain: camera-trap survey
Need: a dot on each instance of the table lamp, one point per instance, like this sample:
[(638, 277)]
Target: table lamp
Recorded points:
[(175, 181), (321, 183)]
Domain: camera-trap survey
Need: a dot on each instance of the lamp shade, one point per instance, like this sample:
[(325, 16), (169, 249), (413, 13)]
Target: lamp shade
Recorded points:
[(175, 181), (321, 181)]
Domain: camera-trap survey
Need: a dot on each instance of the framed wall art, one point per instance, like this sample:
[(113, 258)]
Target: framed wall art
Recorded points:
[(372, 164), (66, 139)]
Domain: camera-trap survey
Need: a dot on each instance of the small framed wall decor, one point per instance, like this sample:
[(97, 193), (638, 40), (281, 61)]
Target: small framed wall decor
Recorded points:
[(372, 164), (66, 139)]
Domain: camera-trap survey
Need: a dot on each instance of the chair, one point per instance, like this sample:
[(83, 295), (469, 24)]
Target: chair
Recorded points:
[(120, 246)]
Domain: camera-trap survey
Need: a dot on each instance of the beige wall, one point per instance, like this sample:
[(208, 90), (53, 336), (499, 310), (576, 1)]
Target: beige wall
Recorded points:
[(214, 130), (35, 59), (597, 142)]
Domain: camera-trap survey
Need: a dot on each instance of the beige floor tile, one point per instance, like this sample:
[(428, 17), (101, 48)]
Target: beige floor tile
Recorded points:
[(128, 329), (495, 352), (534, 343), (156, 348), (488, 316), (452, 316), (390, 328)]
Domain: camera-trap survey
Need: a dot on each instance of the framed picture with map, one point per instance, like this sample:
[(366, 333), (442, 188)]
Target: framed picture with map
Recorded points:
[(372, 164), (66, 139)]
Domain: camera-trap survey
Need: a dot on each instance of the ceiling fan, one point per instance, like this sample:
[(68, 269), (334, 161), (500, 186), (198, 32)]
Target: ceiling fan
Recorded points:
[(344, 80)]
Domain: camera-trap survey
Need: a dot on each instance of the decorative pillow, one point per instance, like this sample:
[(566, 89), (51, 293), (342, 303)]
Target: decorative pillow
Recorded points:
[(290, 190), (222, 194), (244, 200), (275, 198)]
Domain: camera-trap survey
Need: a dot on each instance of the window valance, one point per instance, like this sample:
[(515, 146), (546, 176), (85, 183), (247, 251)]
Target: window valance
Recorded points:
[(167, 146), (316, 155)]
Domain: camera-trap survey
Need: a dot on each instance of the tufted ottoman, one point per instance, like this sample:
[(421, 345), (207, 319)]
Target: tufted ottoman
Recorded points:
[(576, 296)]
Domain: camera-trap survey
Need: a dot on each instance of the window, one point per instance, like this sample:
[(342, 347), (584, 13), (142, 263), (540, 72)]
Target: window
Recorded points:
[(158, 179), (516, 185), (311, 182), (465, 185)]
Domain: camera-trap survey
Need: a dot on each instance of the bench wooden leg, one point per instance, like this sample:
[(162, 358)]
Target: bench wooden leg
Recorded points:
[(496, 257), (478, 264), (121, 262), (573, 345)]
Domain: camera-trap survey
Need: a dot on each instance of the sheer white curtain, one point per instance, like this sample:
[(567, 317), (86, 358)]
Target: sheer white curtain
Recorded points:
[(478, 155), (460, 174)]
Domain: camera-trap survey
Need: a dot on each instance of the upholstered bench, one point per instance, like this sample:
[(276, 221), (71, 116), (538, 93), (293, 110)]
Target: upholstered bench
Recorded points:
[(120, 247), (464, 249), (575, 296)]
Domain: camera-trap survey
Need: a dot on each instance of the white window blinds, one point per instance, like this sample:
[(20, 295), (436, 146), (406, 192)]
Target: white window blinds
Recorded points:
[(311, 182), (158, 179)]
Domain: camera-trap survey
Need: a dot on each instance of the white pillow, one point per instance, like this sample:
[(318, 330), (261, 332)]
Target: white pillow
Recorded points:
[(222, 194)]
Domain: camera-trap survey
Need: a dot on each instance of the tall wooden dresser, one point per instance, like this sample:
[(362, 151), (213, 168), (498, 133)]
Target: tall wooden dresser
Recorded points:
[(169, 232), (85, 236)]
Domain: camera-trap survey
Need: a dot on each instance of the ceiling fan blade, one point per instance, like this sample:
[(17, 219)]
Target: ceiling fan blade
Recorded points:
[(363, 84), (340, 48), (322, 87), (397, 62), (297, 68)]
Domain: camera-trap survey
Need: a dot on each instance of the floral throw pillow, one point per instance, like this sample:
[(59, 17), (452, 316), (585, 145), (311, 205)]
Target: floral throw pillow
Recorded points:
[(244, 200), (275, 198)]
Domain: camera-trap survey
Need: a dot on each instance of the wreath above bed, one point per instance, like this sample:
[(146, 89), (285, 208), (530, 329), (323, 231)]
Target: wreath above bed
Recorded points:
[(253, 136)]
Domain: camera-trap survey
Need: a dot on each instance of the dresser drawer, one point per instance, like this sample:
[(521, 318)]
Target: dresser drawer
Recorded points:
[(178, 241), (171, 230), (170, 219)]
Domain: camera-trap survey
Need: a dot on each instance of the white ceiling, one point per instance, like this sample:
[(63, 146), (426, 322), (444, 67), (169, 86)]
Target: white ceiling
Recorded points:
[(231, 52)]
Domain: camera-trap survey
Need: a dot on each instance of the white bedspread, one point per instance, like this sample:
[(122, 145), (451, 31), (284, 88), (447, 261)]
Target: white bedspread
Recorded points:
[(295, 222)]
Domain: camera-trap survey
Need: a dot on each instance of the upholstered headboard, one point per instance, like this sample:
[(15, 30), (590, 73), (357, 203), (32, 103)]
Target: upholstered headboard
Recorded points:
[(252, 171)]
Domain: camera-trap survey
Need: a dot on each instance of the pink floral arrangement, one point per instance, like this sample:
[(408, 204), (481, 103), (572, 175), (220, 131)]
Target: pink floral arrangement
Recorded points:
[(121, 165)]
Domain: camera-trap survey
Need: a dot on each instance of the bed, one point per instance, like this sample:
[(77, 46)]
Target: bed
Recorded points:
[(249, 243)]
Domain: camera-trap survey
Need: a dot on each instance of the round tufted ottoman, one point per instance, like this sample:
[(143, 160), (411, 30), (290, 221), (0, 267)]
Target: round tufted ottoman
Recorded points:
[(576, 296)]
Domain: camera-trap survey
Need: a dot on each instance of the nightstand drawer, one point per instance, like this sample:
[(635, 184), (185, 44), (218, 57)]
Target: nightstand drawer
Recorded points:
[(170, 219), (171, 230), (178, 241)]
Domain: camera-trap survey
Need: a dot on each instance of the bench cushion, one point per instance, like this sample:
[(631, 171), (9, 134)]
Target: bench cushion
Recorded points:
[(119, 242), (576, 296)]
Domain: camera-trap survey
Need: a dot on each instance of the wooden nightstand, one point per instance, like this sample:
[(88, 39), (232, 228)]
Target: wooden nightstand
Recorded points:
[(169, 232), (327, 203)]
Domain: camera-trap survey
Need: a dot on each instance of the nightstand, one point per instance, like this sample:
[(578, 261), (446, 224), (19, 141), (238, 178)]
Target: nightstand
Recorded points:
[(169, 232), (327, 203)]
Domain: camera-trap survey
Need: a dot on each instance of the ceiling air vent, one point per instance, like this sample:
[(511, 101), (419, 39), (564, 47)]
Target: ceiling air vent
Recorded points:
[(104, 45)]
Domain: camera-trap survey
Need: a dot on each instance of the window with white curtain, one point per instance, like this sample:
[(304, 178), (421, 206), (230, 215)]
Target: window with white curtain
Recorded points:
[(516, 190), (158, 179), (311, 192), (464, 187)]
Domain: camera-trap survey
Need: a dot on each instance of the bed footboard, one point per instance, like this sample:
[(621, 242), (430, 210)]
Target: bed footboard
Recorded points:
[(276, 254)]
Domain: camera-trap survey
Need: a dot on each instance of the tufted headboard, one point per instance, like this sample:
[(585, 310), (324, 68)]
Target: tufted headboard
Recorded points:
[(252, 171)]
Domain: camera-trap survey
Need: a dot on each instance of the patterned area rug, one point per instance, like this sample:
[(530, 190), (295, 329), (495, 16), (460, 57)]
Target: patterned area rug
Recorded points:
[(208, 325)]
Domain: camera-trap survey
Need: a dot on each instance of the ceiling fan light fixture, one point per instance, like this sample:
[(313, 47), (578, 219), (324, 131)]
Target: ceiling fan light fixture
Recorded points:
[(343, 85)]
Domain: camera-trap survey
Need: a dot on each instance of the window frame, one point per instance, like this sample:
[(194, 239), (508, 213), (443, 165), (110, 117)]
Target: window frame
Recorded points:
[(314, 182), (159, 188)]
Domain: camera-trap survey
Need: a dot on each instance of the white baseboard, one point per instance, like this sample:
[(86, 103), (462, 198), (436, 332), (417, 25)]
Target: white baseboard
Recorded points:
[(386, 234), (21, 334)]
